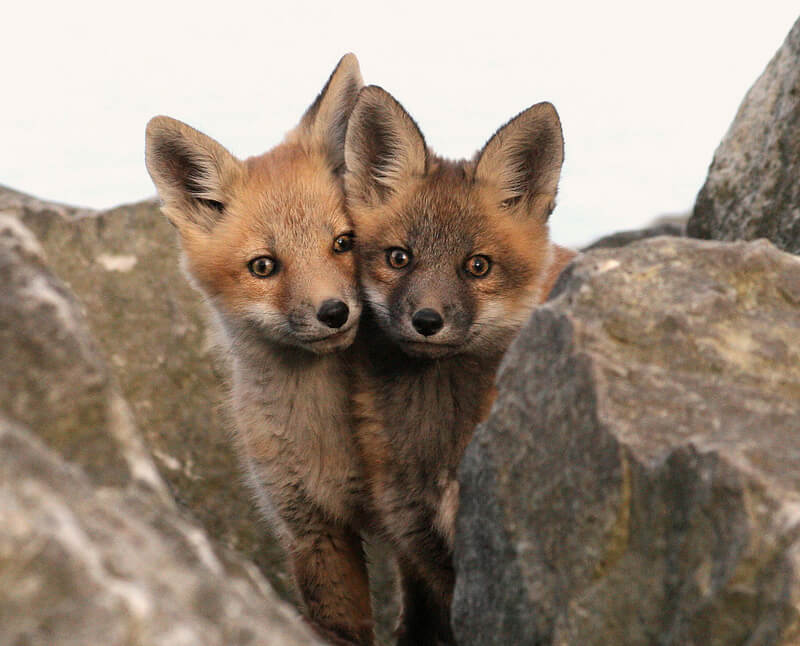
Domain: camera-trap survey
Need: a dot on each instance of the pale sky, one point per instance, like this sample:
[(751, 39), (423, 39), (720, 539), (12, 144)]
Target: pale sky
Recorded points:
[(645, 90)]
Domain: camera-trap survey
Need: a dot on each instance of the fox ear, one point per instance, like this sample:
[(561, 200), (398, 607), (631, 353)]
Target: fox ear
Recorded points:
[(325, 122), (523, 160), (383, 148), (192, 173)]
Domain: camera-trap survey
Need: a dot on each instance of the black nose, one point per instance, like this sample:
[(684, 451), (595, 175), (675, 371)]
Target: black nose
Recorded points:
[(427, 322), (333, 313)]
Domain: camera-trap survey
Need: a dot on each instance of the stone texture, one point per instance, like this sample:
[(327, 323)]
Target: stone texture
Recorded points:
[(93, 549), (122, 265), (83, 566), (753, 185), (128, 385), (638, 481), (53, 378)]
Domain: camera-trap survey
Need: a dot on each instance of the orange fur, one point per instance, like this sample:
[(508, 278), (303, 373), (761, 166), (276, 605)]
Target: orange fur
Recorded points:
[(286, 331), (420, 390)]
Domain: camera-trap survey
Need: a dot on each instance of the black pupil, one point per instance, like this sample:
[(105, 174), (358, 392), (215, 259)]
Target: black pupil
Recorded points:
[(343, 243), (262, 266), (399, 257), (477, 265)]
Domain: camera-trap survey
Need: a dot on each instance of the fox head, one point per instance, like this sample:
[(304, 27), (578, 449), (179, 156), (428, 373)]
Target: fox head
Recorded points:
[(453, 255), (267, 239)]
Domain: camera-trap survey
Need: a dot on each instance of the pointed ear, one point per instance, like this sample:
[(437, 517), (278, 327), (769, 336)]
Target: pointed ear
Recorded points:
[(523, 161), (324, 124), (383, 148), (192, 172)]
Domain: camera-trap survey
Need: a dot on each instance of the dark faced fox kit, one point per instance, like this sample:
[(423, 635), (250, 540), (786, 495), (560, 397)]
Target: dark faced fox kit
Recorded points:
[(350, 419)]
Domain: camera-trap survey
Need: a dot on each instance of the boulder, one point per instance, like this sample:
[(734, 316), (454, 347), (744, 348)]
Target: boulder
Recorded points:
[(86, 565), (53, 378), (132, 390), (93, 549), (122, 267), (753, 185), (638, 480)]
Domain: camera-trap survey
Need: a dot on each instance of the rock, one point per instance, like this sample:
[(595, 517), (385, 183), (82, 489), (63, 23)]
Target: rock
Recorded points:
[(93, 549), (82, 565), (664, 226), (638, 480), (139, 383), (53, 378), (122, 265), (752, 190)]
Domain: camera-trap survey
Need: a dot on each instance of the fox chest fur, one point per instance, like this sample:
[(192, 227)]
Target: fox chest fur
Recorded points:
[(294, 433), (415, 416)]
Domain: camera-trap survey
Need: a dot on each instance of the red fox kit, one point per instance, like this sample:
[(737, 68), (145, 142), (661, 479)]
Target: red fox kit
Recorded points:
[(453, 258), (268, 242)]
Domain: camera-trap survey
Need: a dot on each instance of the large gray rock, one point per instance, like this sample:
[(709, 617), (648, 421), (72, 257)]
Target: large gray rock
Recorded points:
[(52, 377), (122, 265), (133, 380), (85, 566), (638, 481), (93, 549), (753, 185)]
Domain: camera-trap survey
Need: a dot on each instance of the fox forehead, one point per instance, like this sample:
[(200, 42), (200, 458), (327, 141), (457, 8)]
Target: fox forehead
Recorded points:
[(288, 199), (445, 215)]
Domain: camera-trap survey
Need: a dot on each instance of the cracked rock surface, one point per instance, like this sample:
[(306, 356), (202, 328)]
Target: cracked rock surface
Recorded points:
[(638, 480)]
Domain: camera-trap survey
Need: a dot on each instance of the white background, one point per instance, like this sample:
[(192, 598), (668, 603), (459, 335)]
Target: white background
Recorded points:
[(645, 90)]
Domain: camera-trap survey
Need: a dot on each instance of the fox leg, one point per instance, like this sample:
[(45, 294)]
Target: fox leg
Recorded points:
[(426, 569), (330, 571), (425, 620)]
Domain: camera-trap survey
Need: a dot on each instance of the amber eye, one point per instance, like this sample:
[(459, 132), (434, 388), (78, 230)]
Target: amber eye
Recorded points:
[(262, 266), (343, 243), (478, 266), (397, 257)]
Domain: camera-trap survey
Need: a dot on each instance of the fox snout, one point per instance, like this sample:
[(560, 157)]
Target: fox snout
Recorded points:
[(327, 324), (333, 313), (310, 320), (427, 324), (427, 321)]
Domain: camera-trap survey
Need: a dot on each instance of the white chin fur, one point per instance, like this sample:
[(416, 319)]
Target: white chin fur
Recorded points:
[(333, 343), (271, 321), (322, 340)]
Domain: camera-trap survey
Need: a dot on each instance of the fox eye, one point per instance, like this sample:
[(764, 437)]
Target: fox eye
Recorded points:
[(478, 266), (262, 266), (397, 257), (343, 243)]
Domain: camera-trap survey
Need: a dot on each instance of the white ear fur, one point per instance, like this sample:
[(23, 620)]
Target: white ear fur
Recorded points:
[(192, 172), (523, 159), (384, 147)]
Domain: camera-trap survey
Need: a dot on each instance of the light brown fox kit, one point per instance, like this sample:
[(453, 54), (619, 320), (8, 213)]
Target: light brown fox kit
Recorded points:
[(453, 258), (268, 242)]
